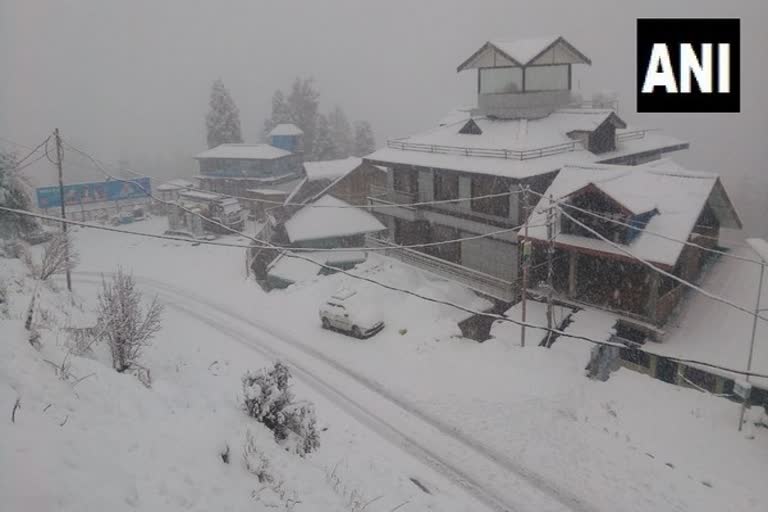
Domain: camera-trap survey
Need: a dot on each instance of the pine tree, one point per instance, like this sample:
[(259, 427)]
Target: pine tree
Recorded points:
[(323, 148), (280, 113), (12, 195), (341, 133), (364, 142), (303, 104), (223, 119)]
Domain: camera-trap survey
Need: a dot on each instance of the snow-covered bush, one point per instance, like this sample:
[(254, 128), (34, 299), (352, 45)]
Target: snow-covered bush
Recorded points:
[(255, 461), (59, 256), (300, 428), (266, 393), (267, 398), (122, 323)]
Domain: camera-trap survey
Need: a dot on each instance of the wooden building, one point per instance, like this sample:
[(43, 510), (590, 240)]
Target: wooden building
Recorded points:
[(639, 214)]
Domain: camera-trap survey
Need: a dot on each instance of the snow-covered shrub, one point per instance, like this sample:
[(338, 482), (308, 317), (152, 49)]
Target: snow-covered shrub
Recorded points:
[(59, 256), (122, 323), (300, 428), (266, 393), (255, 461), (267, 398)]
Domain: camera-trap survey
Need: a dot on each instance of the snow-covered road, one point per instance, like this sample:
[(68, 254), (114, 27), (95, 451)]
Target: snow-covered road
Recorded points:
[(495, 479)]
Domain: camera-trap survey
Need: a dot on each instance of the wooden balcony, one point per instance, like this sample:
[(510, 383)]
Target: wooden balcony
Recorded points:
[(480, 282)]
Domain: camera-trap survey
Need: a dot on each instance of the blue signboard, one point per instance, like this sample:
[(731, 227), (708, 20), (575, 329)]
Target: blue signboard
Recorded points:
[(97, 192)]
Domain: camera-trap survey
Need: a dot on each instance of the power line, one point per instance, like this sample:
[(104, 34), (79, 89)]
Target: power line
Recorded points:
[(310, 205), (32, 152), (457, 306), (17, 170), (653, 233), (661, 271), (389, 287), (90, 225)]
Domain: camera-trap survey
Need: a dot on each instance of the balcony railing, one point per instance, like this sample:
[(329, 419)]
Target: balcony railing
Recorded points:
[(479, 281), (509, 154), (392, 196), (631, 135)]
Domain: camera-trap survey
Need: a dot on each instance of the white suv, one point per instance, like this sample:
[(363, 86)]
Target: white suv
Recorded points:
[(343, 313)]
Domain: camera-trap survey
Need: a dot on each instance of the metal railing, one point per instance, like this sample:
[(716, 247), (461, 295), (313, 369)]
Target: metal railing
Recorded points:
[(392, 196), (632, 135), (474, 279), (508, 154)]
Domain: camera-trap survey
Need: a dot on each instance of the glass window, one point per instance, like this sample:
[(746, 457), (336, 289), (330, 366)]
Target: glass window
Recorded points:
[(501, 80), (546, 78), (446, 186), (485, 186)]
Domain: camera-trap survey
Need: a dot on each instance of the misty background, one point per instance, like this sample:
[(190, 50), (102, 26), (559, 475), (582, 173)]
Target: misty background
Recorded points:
[(130, 80)]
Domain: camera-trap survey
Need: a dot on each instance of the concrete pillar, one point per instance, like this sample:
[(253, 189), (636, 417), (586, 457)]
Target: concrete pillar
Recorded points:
[(653, 295), (465, 190), (426, 186), (573, 260)]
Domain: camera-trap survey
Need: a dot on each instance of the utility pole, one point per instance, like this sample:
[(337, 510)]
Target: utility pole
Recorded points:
[(550, 269), (754, 331), (526, 263), (59, 158)]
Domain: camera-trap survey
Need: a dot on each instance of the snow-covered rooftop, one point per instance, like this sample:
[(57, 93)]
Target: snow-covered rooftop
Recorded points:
[(294, 270), (709, 331), (244, 152), (524, 52), (760, 246), (267, 191), (198, 194), (176, 184), (331, 169), (286, 129), (678, 196), (329, 222), (518, 148)]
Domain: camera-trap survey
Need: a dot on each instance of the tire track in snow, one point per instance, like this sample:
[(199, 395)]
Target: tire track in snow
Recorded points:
[(564, 499)]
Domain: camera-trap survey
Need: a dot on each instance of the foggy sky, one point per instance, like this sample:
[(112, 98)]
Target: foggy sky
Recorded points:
[(130, 79)]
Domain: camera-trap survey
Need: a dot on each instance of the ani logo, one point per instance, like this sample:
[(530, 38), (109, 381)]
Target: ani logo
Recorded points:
[(688, 65)]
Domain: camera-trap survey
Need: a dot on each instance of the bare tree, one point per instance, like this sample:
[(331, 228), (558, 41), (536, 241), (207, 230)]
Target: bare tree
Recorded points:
[(121, 321), (58, 257)]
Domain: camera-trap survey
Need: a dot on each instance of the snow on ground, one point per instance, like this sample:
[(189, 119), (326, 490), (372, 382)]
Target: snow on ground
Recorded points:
[(108, 443), (631, 443), (535, 314)]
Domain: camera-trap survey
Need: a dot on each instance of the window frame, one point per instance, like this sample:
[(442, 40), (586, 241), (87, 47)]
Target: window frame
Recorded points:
[(439, 190)]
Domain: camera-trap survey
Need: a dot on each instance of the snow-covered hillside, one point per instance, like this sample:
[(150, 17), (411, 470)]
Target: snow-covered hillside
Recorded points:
[(89, 438), (478, 426)]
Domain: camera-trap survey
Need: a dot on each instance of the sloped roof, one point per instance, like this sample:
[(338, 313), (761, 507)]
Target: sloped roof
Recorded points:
[(524, 52), (329, 221), (286, 129), (705, 330), (678, 196), (331, 169), (244, 152)]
